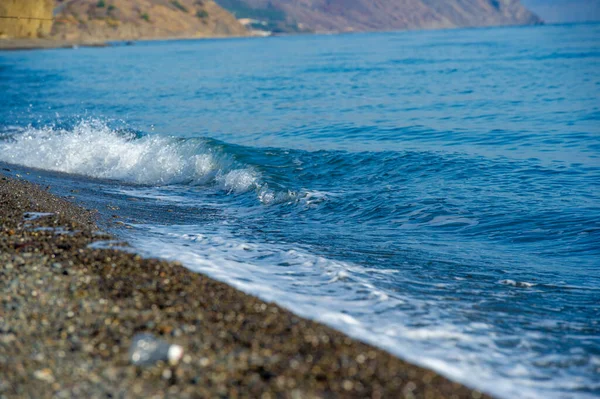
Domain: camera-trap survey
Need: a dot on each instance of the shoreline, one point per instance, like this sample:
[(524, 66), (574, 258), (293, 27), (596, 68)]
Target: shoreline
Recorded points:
[(68, 314), (14, 44), (41, 44), (47, 44)]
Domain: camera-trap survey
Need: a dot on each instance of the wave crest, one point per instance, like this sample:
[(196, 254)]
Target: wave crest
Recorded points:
[(91, 148)]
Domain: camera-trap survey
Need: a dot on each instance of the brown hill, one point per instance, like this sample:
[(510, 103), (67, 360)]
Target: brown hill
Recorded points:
[(370, 15), (100, 20)]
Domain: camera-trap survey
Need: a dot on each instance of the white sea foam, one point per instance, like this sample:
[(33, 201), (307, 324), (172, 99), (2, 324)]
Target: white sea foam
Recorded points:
[(56, 230), (35, 215), (239, 180), (520, 284), (93, 149), (337, 293)]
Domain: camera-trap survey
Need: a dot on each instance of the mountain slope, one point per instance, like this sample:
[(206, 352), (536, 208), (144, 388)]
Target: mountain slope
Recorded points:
[(99, 20), (368, 15)]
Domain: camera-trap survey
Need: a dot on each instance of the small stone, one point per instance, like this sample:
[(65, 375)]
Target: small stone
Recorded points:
[(347, 385), (111, 373), (167, 374), (409, 388), (44, 375), (7, 338), (204, 362)]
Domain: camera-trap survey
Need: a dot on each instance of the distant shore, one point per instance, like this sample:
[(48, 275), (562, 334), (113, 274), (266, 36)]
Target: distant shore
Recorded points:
[(36, 44), (39, 44), (69, 312)]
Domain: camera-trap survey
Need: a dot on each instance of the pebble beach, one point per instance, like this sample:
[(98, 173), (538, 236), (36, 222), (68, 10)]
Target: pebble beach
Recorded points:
[(69, 310)]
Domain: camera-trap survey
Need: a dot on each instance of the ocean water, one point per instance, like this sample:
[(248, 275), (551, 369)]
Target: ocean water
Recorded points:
[(436, 194)]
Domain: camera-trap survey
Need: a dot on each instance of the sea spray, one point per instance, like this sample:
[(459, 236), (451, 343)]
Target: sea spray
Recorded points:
[(92, 148)]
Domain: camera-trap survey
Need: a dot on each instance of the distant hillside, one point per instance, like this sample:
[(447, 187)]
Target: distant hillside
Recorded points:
[(262, 16), (371, 15), (99, 20)]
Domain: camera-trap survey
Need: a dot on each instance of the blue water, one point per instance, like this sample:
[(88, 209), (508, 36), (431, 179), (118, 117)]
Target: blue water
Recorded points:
[(434, 193)]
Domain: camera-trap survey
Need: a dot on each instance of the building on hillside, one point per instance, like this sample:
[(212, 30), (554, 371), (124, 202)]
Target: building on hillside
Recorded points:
[(25, 18)]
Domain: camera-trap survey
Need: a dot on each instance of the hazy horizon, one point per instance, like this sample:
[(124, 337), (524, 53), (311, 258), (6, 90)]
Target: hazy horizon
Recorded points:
[(553, 11)]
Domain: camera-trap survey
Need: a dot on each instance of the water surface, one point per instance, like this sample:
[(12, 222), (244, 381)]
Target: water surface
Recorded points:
[(433, 193)]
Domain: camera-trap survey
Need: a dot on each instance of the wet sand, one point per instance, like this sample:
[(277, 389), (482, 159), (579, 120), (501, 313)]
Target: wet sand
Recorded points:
[(68, 313)]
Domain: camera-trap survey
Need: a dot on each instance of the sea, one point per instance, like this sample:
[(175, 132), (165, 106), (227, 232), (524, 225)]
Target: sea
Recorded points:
[(433, 193)]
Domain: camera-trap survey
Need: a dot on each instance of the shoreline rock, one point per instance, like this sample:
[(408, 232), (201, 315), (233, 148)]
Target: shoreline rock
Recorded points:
[(68, 314)]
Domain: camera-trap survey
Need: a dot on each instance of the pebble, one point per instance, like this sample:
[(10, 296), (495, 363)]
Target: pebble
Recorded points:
[(44, 375)]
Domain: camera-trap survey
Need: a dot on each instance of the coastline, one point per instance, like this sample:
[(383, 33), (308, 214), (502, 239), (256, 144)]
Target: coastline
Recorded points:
[(14, 44), (39, 44), (68, 313), (42, 44)]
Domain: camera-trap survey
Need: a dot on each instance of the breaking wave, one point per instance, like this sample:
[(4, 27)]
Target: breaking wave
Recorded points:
[(92, 148)]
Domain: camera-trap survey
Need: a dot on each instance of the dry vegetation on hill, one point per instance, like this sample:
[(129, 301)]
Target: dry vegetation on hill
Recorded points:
[(87, 20)]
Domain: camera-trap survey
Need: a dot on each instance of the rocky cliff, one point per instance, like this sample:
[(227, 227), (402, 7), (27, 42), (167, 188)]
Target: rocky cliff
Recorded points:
[(370, 15), (25, 18), (94, 20)]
